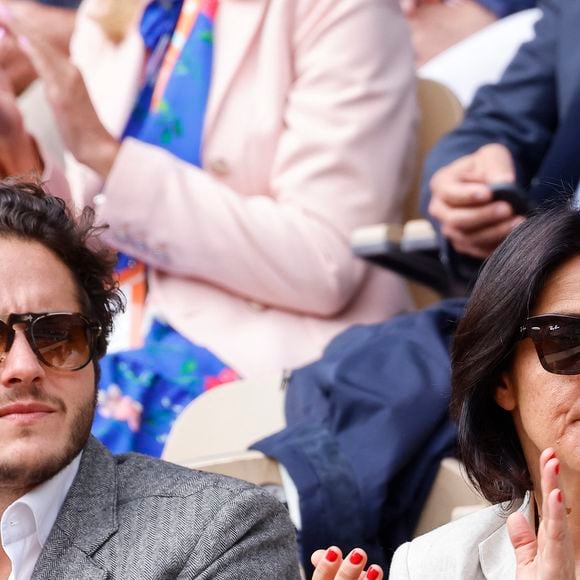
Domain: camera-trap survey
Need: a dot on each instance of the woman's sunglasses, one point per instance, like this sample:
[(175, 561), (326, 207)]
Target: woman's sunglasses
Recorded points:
[(557, 341), (62, 340)]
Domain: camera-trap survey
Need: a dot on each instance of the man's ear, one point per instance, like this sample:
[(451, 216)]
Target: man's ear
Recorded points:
[(505, 392)]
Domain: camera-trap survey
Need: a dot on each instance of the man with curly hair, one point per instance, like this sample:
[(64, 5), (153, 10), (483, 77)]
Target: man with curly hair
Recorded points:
[(70, 509)]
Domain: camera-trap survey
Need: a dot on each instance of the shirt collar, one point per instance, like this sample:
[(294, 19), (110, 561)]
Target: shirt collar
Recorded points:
[(496, 554), (45, 500)]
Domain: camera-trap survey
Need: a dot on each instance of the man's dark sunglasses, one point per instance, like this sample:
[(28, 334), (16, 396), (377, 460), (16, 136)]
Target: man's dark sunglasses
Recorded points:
[(557, 341), (62, 340)]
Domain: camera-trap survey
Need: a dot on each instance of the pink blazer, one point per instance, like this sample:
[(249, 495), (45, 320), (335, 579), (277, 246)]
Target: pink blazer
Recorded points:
[(308, 134)]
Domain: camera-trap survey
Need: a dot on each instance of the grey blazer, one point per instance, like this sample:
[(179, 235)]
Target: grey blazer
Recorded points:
[(132, 517), (471, 548)]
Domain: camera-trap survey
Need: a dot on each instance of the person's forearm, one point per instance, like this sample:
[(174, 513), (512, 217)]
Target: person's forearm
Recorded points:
[(99, 154), (254, 236), (21, 157)]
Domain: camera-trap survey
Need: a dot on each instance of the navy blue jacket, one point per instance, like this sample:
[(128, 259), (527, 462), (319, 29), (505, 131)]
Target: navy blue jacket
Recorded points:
[(523, 110), (503, 8), (61, 3), (367, 427)]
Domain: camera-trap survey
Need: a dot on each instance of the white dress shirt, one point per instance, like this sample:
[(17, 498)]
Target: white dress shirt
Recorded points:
[(26, 523)]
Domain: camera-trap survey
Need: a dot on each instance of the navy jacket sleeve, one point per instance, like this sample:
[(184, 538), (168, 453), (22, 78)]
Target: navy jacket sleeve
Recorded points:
[(520, 111), (503, 8), (61, 3)]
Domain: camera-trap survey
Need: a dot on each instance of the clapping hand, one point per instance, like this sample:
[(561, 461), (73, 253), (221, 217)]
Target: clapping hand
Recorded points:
[(550, 554), (329, 564), (82, 132), (53, 23)]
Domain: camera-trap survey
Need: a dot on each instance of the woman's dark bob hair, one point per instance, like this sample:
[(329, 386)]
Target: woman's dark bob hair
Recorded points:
[(504, 295), (28, 213)]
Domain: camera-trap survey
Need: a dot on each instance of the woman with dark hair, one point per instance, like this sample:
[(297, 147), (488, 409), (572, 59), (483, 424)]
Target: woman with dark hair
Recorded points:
[(515, 397)]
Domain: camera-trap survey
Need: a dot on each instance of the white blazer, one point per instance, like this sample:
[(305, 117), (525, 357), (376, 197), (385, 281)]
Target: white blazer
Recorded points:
[(475, 547)]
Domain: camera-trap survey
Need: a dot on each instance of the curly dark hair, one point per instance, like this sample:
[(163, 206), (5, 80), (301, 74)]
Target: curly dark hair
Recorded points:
[(28, 212), (505, 293)]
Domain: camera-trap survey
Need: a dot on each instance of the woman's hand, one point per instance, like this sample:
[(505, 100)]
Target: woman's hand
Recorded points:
[(329, 565), (53, 23), (551, 553), (82, 132)]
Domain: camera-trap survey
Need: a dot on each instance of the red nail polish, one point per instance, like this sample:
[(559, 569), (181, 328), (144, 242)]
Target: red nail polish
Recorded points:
[(372, 573), (559, 496), (356, 558), (557, 468), (331, 556)]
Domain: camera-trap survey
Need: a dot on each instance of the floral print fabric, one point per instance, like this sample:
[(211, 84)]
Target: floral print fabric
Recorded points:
[(142, 391)]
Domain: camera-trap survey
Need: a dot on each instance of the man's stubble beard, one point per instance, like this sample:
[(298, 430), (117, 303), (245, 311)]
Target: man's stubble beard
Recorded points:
[(14, 475)]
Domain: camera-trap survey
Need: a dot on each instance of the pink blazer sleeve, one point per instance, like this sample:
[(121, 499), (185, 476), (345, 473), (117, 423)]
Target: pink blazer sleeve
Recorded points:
[(338, 163)]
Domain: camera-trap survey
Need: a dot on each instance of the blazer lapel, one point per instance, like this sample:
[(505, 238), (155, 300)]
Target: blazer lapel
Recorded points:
[(496, 554), (63, 560), (237, 24), (85, 522)]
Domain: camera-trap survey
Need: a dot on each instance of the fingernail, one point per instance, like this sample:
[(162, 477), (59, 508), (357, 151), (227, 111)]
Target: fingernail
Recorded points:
[(356, 558), (372, 573), (331, 555), (557, 468), (559, 496)]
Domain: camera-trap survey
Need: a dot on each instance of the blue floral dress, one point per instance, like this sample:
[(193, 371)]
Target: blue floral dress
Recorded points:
[(142, 391)]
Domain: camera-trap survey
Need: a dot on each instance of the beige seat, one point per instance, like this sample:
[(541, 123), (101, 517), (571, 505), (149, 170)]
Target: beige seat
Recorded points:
[(225, 421), (440, 112), (451, 496), (203, 438), (251, 466)]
